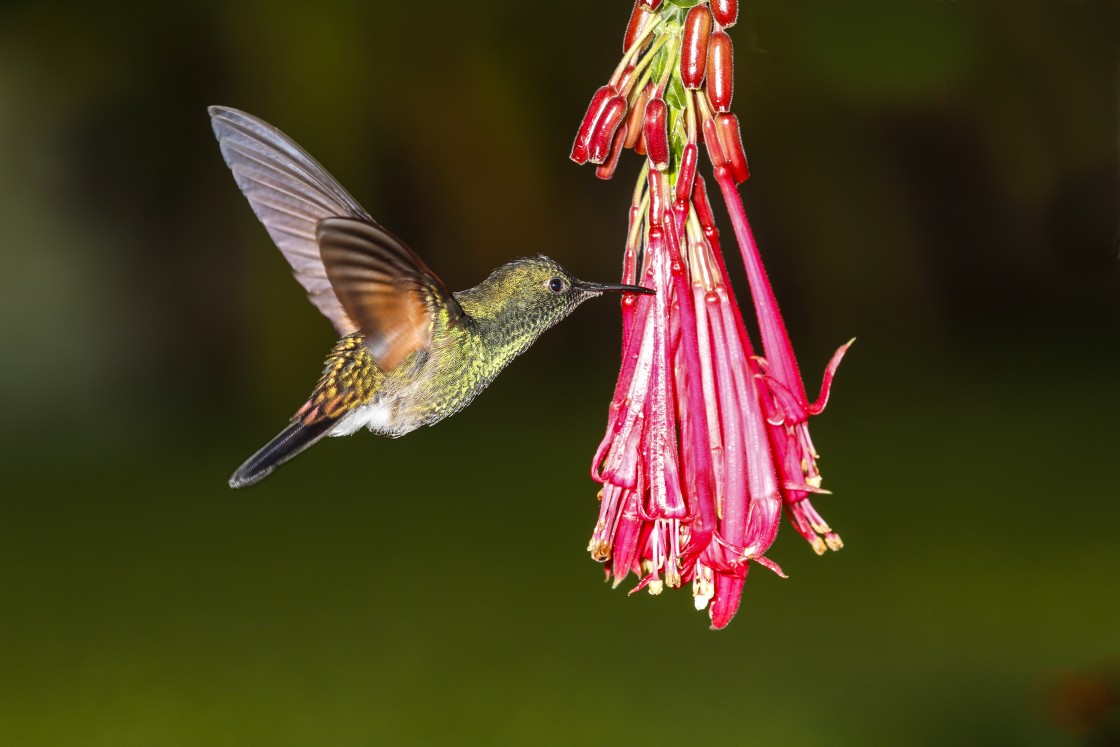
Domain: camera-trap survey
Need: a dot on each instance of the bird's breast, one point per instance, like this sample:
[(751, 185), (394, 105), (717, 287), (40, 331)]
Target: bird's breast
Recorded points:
[(432, 384)]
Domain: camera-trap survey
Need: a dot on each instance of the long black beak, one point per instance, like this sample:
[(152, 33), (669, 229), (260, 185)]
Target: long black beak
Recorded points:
[(584, 285)]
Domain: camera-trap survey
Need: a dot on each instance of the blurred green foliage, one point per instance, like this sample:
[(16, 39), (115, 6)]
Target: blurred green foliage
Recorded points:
[(938, 179)]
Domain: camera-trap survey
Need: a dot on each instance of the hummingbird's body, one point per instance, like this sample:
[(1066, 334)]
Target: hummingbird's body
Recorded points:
[(410, 352), (437, 380)]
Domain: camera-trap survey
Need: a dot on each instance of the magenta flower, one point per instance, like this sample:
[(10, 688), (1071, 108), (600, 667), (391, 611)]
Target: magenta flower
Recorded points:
[(706, 441)]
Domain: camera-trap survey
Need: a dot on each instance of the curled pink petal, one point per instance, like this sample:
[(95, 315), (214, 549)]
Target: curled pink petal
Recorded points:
[(826, 384)]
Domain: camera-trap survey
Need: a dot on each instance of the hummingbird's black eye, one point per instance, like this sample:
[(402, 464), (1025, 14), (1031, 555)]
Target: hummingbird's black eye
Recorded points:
[(557, 285)]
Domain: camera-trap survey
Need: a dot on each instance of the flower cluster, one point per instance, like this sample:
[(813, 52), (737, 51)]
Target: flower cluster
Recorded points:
[(706, 440)]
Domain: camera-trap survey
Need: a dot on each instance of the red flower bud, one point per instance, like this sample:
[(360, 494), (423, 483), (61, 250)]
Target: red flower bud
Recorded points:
[(594, 112), (687, 173), (651, 4), (703, 208), (720, 76), (602, 135), (694, 46), (711, 140), (656, 132), (606, 171), (638, 19), (634, 121), (725, 11), (732, 141), (640, 146)]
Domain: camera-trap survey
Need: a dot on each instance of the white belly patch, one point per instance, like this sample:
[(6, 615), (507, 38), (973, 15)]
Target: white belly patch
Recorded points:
[(375, 416)]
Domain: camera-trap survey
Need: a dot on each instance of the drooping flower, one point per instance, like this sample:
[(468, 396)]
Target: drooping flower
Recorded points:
[(706, 441)]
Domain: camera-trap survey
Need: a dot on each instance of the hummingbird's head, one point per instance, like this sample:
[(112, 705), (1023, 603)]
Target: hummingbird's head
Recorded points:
[(538, 292)]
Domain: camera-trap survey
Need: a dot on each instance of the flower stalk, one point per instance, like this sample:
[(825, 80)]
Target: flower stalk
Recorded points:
[(707, 441)]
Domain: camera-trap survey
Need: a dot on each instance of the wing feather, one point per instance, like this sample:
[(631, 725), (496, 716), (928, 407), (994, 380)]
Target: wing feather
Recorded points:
[(384, 287), (290, 193)]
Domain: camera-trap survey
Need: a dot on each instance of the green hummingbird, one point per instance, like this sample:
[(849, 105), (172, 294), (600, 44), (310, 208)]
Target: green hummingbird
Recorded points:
[(410, 353)]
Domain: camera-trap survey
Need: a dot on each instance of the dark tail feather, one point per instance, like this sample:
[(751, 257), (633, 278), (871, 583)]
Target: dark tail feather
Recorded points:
[(287, 444)]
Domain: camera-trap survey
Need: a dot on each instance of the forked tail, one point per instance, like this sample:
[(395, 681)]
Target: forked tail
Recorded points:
[(285, 445)]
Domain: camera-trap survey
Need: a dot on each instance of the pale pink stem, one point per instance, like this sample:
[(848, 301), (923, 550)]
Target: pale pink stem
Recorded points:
[(733, 511), (763, 480), (708, 385), (711, 233)]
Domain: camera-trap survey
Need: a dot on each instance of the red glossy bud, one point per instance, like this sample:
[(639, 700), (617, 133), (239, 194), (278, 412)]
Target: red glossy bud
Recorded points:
[(651, 4), (634, 121), (638, 19), (694, 46), (711, 140), (594, 112), (687, 173), (606, 171), (725, 11), (720, 76), (732, 142), (656, 132), (602, 135), (703, 207), (640, 146)]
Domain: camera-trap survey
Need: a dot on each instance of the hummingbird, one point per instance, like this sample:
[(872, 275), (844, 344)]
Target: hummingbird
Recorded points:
[(409, 353)]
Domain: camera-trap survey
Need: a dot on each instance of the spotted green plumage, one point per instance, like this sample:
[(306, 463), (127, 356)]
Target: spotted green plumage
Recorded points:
[(350, 379)]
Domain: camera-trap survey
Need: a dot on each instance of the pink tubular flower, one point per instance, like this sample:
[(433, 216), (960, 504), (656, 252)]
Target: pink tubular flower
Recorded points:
[(706, 441)]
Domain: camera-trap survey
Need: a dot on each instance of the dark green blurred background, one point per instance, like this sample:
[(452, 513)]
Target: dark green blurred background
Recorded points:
[(938, 179)]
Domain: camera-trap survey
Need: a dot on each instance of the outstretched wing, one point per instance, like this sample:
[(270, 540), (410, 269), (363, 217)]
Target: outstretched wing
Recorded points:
[(290, 193), (384, 287)]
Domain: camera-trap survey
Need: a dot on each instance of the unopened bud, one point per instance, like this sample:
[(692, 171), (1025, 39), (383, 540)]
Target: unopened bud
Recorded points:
[(694, 46), (651, 4), (656, 132), (686, 174), (602, 134), (725, 11), (711, 140), (594, 112), (606, 171), (703, 207), (732, 141), (634, 121), (638, 19), (720, 75)]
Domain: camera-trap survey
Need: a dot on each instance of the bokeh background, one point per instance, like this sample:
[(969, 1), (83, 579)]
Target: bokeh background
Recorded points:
[(938, 179)]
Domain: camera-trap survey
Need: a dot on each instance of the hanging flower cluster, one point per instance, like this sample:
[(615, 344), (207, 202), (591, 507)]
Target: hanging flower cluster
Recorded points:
[(706, 440)]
